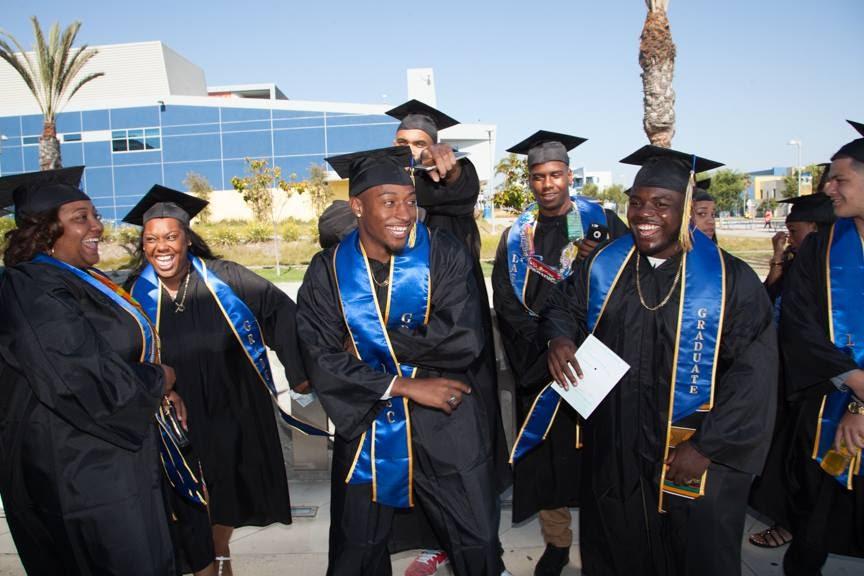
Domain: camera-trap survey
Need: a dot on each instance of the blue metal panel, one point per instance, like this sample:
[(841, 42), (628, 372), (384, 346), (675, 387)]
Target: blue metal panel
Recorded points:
[(190, 129), (31, 124), (231, 169), (31, 158), (243, 144), (175, 174), (72, 154), (298, 122), (143, 157), (10, 159), (10, 126), (186, 148), (342, 140), (243, 114), (246, 126), (297, 114), (173, 115), (97, 153), (97, 184), (69, 122), (305, 141), (298, 165), (135, 117), (95, 120), (134, 181), (352, 119)]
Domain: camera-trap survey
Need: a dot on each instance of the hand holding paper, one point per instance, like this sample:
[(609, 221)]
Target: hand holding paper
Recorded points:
[(601, 370)]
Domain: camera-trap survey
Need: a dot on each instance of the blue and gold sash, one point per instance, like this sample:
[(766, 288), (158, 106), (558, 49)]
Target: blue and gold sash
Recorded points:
[(845, 274), (177, 470), (520, 244), (384, 457), (605, 269), (240, 319)]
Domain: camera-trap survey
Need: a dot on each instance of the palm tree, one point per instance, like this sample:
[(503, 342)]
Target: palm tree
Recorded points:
[(657, 59), (51, 78)]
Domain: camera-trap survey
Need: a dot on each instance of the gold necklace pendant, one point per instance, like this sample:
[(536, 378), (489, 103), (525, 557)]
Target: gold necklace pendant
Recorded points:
[(671, 290), (381, 284), (181, 306)]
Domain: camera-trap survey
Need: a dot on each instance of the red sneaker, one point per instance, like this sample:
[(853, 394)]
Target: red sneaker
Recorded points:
[(427, 563)]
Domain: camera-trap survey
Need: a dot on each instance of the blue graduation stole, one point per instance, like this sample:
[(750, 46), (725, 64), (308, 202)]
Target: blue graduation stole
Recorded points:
[(522, 232), (604, 271), (384, 457), (177, 470), (845, 274), (240, 319)]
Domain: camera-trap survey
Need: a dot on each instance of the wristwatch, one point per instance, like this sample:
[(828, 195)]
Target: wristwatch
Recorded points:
[(855, 407)]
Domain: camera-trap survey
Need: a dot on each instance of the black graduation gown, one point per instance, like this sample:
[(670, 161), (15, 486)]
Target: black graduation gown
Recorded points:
[(770, 491), (621, 531), (827, 517), (451, 206), (548, 477), (81, 476), (453, 480), (232, 424)]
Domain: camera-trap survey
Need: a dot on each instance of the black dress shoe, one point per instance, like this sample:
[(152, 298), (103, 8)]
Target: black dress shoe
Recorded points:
[(553, 561)]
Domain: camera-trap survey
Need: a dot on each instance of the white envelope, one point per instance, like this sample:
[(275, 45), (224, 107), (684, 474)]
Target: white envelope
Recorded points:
[(602, 369)]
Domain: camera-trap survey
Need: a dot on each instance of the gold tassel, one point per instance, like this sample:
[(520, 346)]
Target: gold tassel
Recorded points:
[(685, 237), (412, 236)]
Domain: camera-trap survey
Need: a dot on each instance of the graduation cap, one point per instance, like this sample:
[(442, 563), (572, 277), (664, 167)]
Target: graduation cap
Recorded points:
[(162, 202), (855, 148), (336, 222), (416, 115), (544, 146), (373, 168), (700, 193), (672, 170), (810, 208), (36, 192)]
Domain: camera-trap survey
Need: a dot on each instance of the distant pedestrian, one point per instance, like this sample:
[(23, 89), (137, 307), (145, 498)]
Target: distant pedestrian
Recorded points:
[(768, 217)]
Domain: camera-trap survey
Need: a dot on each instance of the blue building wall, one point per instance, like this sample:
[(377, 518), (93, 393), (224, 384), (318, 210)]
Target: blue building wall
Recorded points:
[(162, 144)]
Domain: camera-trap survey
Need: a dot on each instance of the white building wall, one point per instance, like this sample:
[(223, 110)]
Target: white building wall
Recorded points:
[(229, 205), (139, 71)]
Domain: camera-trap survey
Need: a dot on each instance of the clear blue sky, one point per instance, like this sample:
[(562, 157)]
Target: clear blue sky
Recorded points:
[(750, 74)]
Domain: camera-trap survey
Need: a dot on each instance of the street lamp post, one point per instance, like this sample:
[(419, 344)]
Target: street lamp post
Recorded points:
[(490, 190), (797, 143)]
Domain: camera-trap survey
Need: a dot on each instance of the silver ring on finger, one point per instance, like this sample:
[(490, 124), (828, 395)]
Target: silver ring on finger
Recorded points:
[(452, 400)]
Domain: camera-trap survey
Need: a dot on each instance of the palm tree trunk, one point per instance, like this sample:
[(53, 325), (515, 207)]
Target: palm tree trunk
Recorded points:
[(49, 148), (657, 59)]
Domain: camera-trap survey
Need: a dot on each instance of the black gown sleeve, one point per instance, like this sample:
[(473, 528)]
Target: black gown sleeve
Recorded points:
[(517, 327), (275, 311), (348, 388), (453, 338), (454, 199), (804, 325), (737, 431), (70, 366)]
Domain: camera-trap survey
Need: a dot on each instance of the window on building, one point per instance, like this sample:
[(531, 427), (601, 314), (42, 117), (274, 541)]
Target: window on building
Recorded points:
[(72, 137), (136, 140), (30, 140)]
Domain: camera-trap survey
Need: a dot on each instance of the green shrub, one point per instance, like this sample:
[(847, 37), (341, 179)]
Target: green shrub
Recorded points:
[(257, 232), (291, 231)]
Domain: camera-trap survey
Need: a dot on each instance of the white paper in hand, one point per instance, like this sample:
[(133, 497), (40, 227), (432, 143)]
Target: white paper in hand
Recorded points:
[(602, 369)]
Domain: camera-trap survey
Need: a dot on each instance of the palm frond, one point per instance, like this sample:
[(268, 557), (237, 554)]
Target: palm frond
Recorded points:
[(83, 81)]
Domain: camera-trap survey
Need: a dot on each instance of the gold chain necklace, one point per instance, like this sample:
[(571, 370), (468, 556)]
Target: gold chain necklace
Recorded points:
[(381, 284), (671, 290)]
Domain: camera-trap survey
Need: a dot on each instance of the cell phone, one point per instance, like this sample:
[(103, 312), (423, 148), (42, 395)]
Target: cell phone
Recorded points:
[(457, 153), (597, 233)]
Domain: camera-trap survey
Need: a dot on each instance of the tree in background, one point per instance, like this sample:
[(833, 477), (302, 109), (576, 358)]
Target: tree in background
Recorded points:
[(616, 195), (320, 193), (258, 185), (198, 186), (513, 194), (257, 189), (727, 187), (657, 59), (791, 180), (591, 190), (53, 78)]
